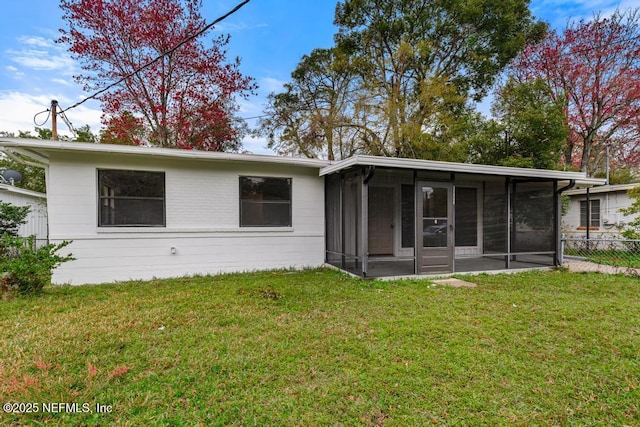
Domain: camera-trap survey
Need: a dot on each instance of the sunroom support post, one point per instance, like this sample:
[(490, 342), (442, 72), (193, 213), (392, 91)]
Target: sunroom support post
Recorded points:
[(558, 199), (343, 245), (507, 189), (364, 218), (556, 223), (588, 222)]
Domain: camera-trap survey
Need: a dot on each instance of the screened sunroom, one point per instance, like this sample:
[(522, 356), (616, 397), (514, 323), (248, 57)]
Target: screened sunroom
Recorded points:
[(396, 217)]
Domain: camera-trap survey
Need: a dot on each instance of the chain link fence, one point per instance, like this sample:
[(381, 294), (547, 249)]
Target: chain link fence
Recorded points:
[(605, 255)]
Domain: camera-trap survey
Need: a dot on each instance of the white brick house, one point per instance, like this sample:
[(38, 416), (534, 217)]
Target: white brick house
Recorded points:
[(140, 213)]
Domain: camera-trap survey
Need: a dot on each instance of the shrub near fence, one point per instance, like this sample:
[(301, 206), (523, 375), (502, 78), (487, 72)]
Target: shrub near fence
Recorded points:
[(613, 252)]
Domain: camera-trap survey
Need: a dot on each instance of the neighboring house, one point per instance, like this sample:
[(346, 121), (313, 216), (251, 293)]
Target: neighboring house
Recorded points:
[(604, 217), (139, 213), (37, 218)]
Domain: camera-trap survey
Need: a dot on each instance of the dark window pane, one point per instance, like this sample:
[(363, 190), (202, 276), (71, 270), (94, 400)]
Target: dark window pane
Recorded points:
[(265, 202), (131, 198), (133, 183), (435, 202), (595, 213), (133, 212), (466, 217), (408, 216), (434, 234)]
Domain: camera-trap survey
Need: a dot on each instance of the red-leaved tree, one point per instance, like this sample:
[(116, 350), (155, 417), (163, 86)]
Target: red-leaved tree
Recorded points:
[(594, 68), (186, 99)]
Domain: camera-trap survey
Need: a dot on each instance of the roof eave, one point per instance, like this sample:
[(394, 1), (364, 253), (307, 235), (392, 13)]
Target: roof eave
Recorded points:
[(468, 168), (41, 148)]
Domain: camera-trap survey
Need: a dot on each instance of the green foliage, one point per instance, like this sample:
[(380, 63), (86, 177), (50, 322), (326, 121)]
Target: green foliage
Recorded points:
[(398, 79), (632, 229), (12, 217), (33, 177), (84, 134), (528, 131), (618, 175), (26, 266)]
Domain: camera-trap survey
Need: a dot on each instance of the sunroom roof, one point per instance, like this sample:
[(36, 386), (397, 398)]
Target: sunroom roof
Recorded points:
[(580, 178)]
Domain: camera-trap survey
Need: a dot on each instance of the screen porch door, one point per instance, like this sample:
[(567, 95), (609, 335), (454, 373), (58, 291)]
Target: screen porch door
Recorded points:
[(434, 227)]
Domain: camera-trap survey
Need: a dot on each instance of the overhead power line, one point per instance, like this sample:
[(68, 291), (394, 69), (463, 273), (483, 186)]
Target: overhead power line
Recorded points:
[(162, 55)]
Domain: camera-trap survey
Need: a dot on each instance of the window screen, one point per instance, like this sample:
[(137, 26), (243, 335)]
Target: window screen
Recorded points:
[(466, 216), (408, 216), (595, 213), (265, 202), (131, 198)]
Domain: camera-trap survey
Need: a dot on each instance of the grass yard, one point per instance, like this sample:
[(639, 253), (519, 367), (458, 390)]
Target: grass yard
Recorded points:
[(616, 258), (321, 348)]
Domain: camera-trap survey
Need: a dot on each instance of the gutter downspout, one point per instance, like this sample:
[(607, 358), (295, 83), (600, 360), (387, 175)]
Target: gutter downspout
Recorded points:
[(559, 241)]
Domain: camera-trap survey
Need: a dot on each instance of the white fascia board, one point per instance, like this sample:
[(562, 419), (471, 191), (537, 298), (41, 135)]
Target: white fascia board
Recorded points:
[(469, 168), (18, 190), (602, 189), (41, 149)]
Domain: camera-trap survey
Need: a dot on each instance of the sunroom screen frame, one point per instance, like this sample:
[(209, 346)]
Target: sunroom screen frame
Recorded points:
[(347, 224)]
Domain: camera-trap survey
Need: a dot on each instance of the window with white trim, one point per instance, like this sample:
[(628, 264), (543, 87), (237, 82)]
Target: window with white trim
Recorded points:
[(131, 198), (594, 221), (265, 202)]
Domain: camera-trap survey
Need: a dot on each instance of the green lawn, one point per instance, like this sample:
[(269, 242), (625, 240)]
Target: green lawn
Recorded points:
[(321, 348), (616, 258)]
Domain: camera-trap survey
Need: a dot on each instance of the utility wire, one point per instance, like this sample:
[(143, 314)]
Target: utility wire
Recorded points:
[(162, 55), (67, 122), (45, 120), (255, 117)]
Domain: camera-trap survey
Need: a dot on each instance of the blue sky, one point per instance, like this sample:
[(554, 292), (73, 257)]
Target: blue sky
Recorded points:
[(269, 36)]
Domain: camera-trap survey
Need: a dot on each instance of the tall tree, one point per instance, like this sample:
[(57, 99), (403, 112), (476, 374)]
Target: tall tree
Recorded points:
[(411, 67), (312, 117), (594, 69), (185, 99), (527, 129), (421, 60)]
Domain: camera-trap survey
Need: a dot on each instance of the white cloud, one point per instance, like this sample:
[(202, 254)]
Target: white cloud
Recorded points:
[(19, 109), (231, 27), (16, 73), (36, 41), (269, 84), (256, 145), (63, 82), (42, 54), (43, 60), (562, 12)]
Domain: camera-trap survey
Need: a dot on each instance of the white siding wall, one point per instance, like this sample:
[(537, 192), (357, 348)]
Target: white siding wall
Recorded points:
[(611, 219), (202, 221), (37, 217)]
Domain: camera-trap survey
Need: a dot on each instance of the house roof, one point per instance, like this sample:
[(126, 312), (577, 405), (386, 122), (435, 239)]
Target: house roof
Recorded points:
[(22, 191), (580, 178), (38, 151), (602, 189)]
